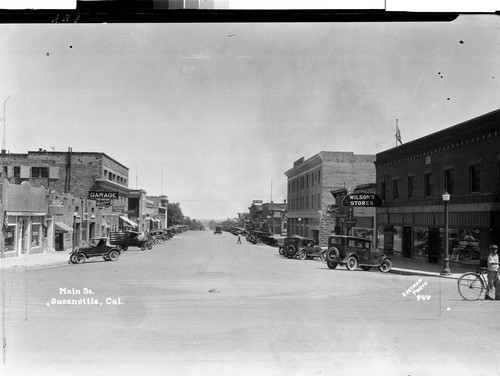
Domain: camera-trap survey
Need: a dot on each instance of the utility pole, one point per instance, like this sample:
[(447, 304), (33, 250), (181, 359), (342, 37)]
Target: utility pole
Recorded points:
[(4, 126)]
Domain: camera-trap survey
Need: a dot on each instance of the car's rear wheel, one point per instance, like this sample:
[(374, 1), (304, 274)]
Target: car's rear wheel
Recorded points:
[(259, 241), (352, 263), (331, 264), (149, 246), (302, 255), (106, 258), (114, 255), (143, 247), (124, 248), (280, 251), (72, 259), (323, 255), (80, 258), (386, 266)]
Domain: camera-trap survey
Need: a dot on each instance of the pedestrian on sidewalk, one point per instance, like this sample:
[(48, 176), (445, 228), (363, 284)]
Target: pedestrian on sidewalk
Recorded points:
[(493, 280), (239, 239)]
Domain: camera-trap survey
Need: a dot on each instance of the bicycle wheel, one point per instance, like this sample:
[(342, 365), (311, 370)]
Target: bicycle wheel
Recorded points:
[(471, 286)]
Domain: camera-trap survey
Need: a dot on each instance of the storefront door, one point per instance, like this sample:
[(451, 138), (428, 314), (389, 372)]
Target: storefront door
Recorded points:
[(433, 245), (407, 242)]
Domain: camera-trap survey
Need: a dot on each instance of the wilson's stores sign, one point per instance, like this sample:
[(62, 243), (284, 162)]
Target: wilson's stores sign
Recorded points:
[(362, 199), (101, 195)]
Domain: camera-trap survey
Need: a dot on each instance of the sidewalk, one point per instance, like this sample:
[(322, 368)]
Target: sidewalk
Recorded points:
[(61, 258), (35, 261)]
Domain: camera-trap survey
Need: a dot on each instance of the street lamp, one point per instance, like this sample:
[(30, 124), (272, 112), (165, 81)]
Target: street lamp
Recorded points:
[(446, 260)]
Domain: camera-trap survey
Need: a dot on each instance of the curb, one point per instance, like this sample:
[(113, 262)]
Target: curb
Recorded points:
[(419, 273)]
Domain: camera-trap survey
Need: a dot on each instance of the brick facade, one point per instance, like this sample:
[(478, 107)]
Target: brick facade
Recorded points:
[(463, 160)]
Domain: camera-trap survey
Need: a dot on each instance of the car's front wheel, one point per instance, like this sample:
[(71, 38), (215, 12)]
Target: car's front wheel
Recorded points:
[(114, 255), (352, 263), (280, 251), (80, 258), (72, 259), (386, 266), (331, 264), (302, 255)]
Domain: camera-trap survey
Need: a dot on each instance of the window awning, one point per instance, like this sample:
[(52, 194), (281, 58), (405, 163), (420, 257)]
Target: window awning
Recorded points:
[(129, 221), (63, 227)]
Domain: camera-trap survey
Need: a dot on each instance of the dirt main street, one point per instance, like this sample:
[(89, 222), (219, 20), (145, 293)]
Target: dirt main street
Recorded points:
[(201, 304)]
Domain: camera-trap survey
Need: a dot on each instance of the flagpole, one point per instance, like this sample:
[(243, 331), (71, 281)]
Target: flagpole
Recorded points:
[(396, 132)]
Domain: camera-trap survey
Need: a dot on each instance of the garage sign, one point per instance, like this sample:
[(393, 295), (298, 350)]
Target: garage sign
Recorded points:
[(103, 195), (362, 200)]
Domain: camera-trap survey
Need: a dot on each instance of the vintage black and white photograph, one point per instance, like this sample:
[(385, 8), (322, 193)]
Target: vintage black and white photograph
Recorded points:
[(196, 190)]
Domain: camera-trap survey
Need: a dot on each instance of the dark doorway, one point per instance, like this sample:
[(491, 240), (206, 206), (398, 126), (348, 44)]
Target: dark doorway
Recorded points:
[(433, 245), (406, 242)]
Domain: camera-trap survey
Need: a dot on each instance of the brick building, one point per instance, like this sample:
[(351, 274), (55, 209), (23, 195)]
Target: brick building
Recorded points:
[(255, 215), (71, 175), (463, 160), (308, 192)]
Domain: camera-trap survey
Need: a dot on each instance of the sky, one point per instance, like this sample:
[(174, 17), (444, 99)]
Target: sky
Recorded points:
[(213, 114)]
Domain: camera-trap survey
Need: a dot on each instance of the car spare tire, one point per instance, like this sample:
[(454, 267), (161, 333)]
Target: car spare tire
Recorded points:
[(333, 255)]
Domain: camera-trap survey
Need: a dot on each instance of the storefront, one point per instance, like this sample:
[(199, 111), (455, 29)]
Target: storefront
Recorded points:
[(24, 229)]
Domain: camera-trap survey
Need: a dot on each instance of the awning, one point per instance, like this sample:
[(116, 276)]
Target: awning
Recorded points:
[(63, 227), (129, 221)]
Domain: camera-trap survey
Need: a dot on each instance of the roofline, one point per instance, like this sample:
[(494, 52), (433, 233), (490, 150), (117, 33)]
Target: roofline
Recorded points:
[(72, 152)]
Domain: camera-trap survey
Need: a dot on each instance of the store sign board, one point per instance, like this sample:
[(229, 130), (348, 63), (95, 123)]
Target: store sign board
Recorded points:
[(362, 200), (94, 195)]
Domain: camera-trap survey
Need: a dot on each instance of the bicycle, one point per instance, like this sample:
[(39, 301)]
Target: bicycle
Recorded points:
[(471, 285)]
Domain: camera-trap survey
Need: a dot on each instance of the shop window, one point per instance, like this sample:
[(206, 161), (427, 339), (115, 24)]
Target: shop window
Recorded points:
[(36, 235), (10, 238), (421, 243), (449, 181), (474, 178)]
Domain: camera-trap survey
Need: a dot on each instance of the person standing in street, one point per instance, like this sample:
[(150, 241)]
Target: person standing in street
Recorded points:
[(493, 280), (239, 239)]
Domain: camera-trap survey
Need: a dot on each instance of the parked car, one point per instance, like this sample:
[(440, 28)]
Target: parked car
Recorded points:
[(353, 251), (303, 248), (125, 239), (99, 247), (218, 230), (259, 237), (159, 236)]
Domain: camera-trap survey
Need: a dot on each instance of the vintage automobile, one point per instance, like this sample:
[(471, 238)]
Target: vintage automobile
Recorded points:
[(303, 248), (125, 239), (259, 237), (159, 236), (218, 230), (99, 247), (353, 251)]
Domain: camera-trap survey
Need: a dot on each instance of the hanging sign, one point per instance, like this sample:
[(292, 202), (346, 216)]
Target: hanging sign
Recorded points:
[(362, 200)]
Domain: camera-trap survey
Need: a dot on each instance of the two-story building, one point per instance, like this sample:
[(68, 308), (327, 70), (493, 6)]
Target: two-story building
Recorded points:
[(463, 161)]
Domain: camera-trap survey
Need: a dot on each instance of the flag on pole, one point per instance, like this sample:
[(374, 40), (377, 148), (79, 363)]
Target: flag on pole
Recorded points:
[(398, 134)]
